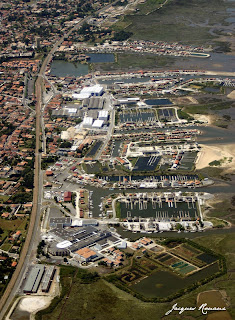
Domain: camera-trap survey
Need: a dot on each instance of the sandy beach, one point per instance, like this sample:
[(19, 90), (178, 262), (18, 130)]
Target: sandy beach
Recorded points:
[(211, 153)]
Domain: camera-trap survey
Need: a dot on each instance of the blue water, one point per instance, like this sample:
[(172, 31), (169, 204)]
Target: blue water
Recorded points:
[(61, 68), (158, 102), (101, 57)]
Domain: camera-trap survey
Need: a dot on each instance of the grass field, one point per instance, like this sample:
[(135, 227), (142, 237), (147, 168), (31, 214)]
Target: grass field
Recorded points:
[(178, 20), (133, 61), (11, 226)]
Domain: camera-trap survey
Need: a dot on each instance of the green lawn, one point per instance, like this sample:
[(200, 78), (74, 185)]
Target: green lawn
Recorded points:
[(178, 20)]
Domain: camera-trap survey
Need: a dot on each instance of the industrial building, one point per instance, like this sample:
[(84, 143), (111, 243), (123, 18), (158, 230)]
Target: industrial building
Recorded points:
[(87, 122), (70, 112), (95, 90), (47, 279), (98, 124), (88, 92), (93, 103), (65, 222), (127, 100), (76, 238), (34, 279), (103, 115), (80, 96), (58, 252)]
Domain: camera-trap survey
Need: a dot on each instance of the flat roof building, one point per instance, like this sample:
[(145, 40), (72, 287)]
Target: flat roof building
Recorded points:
[(80, 96), (66, 222), (48, 277), (95, 90), (98, 124), (103, 115), (34, 279), (87, 122)]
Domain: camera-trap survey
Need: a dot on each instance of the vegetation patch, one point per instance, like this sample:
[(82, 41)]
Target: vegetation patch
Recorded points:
[(148, 275)]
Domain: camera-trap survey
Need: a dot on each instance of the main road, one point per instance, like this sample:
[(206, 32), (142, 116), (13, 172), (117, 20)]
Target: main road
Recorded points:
[(33, 230)]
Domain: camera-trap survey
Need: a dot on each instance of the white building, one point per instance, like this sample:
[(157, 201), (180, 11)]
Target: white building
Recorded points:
[(80, 96), (95, 90), (103, 115), (98, 124), (87, 122)]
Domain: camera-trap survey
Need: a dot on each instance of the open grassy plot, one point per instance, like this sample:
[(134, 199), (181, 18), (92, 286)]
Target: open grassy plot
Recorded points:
[(3, 198), (12, 225), (133, 61), (8, 227), (224, 209), (178, 20), (87, 299)]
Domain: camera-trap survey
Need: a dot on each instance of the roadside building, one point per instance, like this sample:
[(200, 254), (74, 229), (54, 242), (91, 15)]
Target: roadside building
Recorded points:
[(67, 196), (65, 222), (103, 115), (98, 124), (34, 279), (87, 122), (47, 279), (49, 173)]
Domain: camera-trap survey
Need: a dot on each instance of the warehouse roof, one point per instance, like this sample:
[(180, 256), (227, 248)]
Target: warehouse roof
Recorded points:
[(98, 124)]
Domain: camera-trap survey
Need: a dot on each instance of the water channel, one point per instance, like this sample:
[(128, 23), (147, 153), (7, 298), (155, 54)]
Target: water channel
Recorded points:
[(217, 62)]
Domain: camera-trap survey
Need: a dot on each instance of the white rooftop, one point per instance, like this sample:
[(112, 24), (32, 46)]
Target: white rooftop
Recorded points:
[(103, 114), (64, 244), (77, 223), (71, 110), (88, 121), (98, 123), (81, 96), (93, 89)]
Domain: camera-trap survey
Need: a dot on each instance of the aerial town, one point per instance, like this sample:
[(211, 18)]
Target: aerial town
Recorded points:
[(117, 163)]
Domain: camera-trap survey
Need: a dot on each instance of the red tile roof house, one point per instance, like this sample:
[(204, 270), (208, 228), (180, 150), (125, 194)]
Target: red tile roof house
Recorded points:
[(67, 196)]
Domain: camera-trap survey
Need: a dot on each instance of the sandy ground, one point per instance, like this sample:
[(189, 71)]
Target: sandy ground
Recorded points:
[(204, 118), (215, 298), (231, 95), (210, 153), (34, 303)]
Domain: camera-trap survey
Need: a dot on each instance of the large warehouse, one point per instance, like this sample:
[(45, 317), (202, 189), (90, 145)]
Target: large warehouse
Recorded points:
[(34, 279)]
